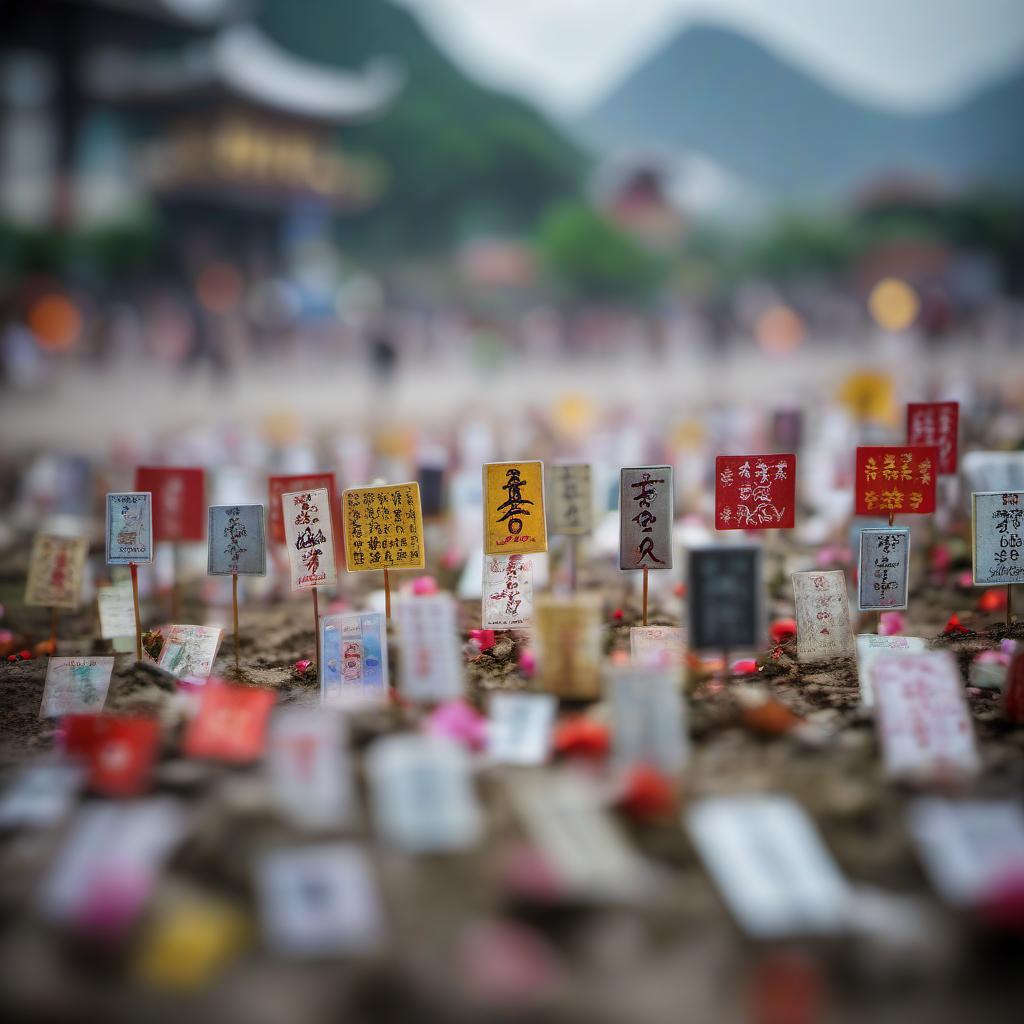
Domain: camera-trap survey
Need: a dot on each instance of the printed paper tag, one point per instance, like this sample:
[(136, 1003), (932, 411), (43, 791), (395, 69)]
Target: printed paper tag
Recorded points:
[(997, 526), (520, 727), (884, 567), (937, 424), (514, 508), (922, 717), (179, 501), (119, 750), (310, 771), (648, 718), (823, 627), (507, 592), (40, 795), (645, 517), (656, 646), (129, 528), (190, 651), (571, 499), (354, 656), (117, 611), (563, 813), (569, 645), (278, 486), (319, 901), (897, 479), (237, 544), (770, 865), (309, 538), (724, 598), (55, 571), (969, 847), (869, 647), (75, 686), (755, 492), (231, 723), (383, 527), (431, 659), (422, 794)]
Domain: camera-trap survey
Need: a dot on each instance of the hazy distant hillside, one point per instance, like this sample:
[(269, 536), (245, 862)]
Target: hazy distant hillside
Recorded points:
[(461, 157), (718, 93)]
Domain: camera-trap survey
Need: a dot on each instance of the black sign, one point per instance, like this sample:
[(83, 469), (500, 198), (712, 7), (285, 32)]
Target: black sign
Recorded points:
[(431, 480), (724, 598)]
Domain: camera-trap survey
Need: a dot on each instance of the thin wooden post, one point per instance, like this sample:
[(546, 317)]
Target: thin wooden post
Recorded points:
[(316, 626), (387, 594), (234, 614), (645, 596), (54, 615), (134, 569)]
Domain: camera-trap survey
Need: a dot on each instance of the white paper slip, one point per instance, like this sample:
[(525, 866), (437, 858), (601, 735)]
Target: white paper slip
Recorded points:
[(507, 592), (431, 658), (40, 794), (656, 646), (310, 770), (113, 853), (319, 901), (422, 794), (922, 717), (871, 646), (648, 718), (968, 847), (882, 576), (117, 612), (564, 815), (75, 686), (189, 652), (770, 865), (519, 731), (823, 627)]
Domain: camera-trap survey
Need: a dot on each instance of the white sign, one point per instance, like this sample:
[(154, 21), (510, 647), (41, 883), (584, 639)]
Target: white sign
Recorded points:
[(309, 537), (431, 659), (647, 718), (520, 727), (871, 646), (823, 629), (507, 592), (117, 611)]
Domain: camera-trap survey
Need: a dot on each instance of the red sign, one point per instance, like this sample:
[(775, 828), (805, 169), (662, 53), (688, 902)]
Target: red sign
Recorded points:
[(936, 423), (279, 485), (231, 724), (179, 501), (895, 479), (118, 749), (755, 492)]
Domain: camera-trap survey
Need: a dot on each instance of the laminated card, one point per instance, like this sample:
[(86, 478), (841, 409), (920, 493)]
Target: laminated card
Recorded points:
[(431, 658), (179, 501), (884, 568), (190, 651), (895, 479), (519, 731), (724, 598), (823, 627), (656, 646), (936, 423), (997, 527), (383, 527), (237, 544), (569, 652), (354, 655), (514, 519), (279, 485), (755, 492), (129, 528), (645, 517), (507, 592), (648, 718), (55, 571), (309, 538), (871, 646), (75, 686), (570, 499)]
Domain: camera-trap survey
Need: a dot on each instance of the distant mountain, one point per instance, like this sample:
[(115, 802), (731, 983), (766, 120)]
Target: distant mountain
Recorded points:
[(460, 157), (719, 94)]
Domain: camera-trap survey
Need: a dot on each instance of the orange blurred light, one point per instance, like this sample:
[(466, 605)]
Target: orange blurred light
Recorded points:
[(779, 330), (893, 304), (55, 321), (220, 287)]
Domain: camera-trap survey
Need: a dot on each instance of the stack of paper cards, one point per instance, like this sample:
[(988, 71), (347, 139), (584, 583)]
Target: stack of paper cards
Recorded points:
[(318, 901), (422, 794), (354, 659), (770, 865), (189, 652), (75, 686)]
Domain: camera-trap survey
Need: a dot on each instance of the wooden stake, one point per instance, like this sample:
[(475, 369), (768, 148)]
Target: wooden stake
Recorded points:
[(387, 594), (1009, 604), (54, 614), (645, 596), (134, 569), (892, 517), (573, 555), (234, 613), (175, 588), (316, 626)]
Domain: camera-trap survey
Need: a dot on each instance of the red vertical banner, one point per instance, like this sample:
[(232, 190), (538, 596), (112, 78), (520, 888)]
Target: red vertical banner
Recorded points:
[(938, 424), (895, 480), (179, 501)]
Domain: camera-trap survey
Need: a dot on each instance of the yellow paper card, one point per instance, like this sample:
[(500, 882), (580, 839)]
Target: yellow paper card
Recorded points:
[(55, 571), (514, 522), (383, 527)]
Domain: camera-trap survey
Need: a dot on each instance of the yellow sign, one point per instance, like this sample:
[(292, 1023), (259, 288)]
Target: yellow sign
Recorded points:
[(383, 527), (55, 571), (514, 521), (870, 396)]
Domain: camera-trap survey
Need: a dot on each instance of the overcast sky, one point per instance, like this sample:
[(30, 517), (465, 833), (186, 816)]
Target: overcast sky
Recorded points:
[(565, 54)]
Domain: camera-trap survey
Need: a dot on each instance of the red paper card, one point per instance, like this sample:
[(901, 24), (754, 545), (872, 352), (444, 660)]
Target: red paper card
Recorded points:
[(897, 479), (231, 724), (179, 501), (279, 485), (936, 423), (755, 492), (118, 749)]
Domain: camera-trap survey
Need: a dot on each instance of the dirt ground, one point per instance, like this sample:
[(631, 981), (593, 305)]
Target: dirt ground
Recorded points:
[(677, 958)]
